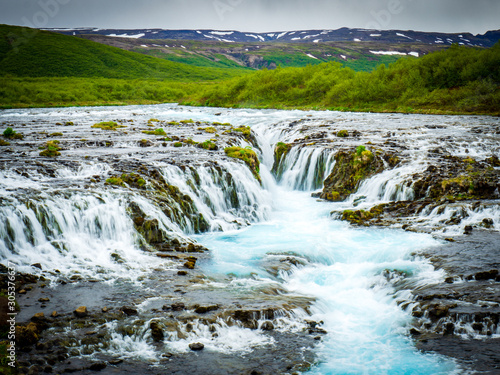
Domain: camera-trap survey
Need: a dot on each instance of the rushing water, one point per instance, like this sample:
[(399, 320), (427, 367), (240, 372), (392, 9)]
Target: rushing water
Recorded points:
[(350, 272)]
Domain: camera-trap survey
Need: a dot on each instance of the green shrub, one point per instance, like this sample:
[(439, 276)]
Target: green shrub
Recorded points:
[(208, 145)]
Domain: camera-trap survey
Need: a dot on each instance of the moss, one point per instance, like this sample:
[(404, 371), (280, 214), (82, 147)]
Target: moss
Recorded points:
[(56, 134), (158, 131), (361, 217), (342, 133), (114, 181), (153, 120), (178, 144), (462, 181), (333, 196), (69, 123), (173, 123), (469, 160), (12, 134), (245, 130), (248, 156), (209, 129), (350, 169), (4, 142), (51, 149), (108, 125), (189, 121), (208, 145), (189, 141)]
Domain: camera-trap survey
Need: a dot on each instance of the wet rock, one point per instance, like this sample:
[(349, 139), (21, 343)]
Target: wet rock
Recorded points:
[(351, 168), (205, 309), (468, 229), (182, 273), (267, 326), (128, 310), (27, 335), (196, 346), (415, 332), (177, 306), (437, 311), (156, 331), (81, 312), (37, 265), (487, 275), (98, 366)]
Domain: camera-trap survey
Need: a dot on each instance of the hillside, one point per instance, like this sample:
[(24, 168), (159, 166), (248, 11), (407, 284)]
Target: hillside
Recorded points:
[(28, 53), (456, 80)]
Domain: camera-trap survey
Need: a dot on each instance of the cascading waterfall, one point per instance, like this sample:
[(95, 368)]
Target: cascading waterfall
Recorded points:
[(90, 232)]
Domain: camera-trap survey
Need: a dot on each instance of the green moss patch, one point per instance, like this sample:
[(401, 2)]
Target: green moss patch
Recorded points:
[(248, 156), (108, 125)]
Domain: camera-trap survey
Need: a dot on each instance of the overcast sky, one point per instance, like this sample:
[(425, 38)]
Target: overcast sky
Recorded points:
[(475, 16)]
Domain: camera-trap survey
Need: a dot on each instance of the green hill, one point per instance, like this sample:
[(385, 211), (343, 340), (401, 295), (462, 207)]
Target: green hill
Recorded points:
[(32, 53), (456, 80)]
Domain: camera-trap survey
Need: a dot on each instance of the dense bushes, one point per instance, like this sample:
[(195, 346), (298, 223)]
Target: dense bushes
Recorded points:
[(459, 79)]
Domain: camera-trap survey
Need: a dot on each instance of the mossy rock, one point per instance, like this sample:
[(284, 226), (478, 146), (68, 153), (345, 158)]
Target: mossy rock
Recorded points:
[(4, 142), (281, 150), (248, 156), (208, 145), (362, 217), (108, 125), (51, 149), (158, 131), (350, 169), (342, 133)]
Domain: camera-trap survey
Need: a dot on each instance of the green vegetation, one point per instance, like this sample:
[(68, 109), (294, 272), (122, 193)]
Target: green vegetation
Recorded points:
[(12, 134), (158, 131), (342, 133), (178, 144), (51, 149), (108, 125), (208, 145), (40, 68), (248, 156), (208, 129), (114, 181), (3, 142), (34, 53), (456, 80)]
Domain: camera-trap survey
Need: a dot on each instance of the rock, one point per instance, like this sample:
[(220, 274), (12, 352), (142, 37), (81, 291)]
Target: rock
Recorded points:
[(437, 311), (156, 331), (196, 346), (127, 310), (487, 275), (27, 335), (182, 273), (44, 299), (189, 265), (205, 309), (38, 317), (267, 326), (468, 229), (415, 332), (37, 265), (81, 312), (98, 366), (105, 309)]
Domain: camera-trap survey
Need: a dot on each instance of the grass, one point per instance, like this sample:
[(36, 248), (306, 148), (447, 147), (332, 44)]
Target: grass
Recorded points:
[(108, 125)]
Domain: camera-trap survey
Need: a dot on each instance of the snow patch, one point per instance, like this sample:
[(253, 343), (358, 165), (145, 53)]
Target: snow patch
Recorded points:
[(296, 38), (270, 35), (403, 35), (198, 31), (183, 46), (221, 32), (282, 34), (345, 58), (136, 36), (388, 53), (311, 56), (316, 40), (438, 41), (375, 34), (357, 40), (416, 54), (144, 45), (256, 37)]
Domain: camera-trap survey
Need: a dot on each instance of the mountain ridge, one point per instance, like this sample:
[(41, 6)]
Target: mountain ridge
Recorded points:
[(344, 34)]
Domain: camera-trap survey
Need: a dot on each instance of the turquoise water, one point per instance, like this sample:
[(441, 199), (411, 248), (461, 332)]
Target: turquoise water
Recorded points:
[(344, 271)]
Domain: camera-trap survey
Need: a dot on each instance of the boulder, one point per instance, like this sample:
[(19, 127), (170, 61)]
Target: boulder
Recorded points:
[(196, 346), (81, 312)]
